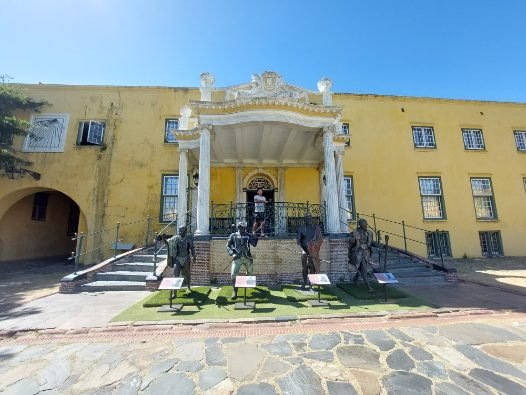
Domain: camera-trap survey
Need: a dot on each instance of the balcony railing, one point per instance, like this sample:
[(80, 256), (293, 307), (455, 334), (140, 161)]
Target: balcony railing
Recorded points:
[(281, 218)]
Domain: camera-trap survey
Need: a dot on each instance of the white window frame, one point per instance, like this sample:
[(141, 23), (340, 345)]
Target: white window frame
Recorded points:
[(470, 137), (427, 196), (520, 139), (483, 198), (348, 185), (424, 137), (346, 131), (168, 134), (169, 210), (93, 137), (51, 140)]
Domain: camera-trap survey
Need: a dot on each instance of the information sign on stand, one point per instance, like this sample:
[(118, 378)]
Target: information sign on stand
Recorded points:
[(245, 282), (319, 279), (173, 284), (385, 278)]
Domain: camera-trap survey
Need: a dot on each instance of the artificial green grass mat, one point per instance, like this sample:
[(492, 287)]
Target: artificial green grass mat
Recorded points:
[(359, 291), (295, 294), (276, 306), (258, 294), (197, 296)]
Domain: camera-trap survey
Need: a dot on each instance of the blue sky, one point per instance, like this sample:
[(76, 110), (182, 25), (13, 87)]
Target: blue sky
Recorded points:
[(472, 49)]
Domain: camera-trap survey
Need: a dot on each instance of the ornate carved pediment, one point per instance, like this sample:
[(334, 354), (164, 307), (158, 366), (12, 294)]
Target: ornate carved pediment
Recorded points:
[(267, 85)]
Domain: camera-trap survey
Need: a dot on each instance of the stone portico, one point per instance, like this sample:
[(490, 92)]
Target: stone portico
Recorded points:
[(261, 125)]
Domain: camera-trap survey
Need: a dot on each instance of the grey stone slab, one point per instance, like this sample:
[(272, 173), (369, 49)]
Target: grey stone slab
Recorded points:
[(478, 333), (190, 352), (431, 329), (214, 355), (294, 360), (500, 383), (54, 374), (400, 335), (27, 386), (445, 388), (256, 389), (468, 384), (352, 338), (418, 353), (488, 362), (299, 346), (211, 340), (129, 386), (243, 360), (228, 340), (324, 356), (157, 369), (210, 377), (338, 388), (292, 337), (432, 369), (359, 357), (404, 383), (189, 366), (399, 360), (273, 367), (380, 340), (301, 381), (326, 341), (281, 349), (167, 383)]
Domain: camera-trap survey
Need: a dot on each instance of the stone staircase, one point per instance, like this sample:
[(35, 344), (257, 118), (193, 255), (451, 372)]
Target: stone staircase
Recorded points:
[(128, 274), (409, 270)]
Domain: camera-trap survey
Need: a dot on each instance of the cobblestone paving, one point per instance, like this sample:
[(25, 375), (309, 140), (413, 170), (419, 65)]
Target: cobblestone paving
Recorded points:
[(433, 357)]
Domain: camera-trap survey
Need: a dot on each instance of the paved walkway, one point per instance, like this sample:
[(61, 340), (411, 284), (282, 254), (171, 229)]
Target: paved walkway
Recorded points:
[(478, 355)]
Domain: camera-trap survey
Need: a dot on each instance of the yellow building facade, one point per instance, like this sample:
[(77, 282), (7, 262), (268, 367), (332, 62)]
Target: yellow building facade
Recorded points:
[(410, 166)]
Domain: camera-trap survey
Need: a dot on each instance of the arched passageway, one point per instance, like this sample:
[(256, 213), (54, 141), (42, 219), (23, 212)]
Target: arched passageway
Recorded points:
[(39, 224)]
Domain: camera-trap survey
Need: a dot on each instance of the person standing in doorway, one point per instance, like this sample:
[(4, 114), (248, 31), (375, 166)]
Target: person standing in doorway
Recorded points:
[(259, 210)]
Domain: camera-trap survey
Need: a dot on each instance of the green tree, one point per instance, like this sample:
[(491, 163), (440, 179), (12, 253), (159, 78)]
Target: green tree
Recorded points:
[(13, 102)]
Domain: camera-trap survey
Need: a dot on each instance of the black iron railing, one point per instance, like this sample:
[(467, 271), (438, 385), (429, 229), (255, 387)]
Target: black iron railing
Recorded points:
[(281, 218)]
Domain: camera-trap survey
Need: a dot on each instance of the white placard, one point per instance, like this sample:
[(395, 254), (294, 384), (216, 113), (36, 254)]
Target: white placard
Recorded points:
[(172, 283), (386, 278), (319, 279)]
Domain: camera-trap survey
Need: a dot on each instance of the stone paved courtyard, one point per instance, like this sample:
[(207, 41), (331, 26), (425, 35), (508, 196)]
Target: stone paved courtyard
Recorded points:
[(479, 354)]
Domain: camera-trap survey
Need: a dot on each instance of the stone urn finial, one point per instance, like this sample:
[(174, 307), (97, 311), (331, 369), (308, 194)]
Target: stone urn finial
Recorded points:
[(207, 86), (324, 87)]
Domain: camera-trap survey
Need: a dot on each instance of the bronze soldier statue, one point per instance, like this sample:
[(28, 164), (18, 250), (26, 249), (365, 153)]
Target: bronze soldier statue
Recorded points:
[(309, 238), (180, 247), (238, 247), (360, 251)]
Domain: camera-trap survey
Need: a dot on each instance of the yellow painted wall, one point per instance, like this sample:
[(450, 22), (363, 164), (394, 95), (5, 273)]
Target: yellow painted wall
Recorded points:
[(121, 181), (385, 166), (24, 238), (302, 185)]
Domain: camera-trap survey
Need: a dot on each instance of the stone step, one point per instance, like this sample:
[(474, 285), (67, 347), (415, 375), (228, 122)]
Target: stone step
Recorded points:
[(147, 258), (403, 265), (412, 269), (428, 273), (122, 276), (133, 266), (422, 280), (101, 286)]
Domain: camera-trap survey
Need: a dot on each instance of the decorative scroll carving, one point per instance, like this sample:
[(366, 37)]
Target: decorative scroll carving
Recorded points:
[(267, 85), (259, 182)]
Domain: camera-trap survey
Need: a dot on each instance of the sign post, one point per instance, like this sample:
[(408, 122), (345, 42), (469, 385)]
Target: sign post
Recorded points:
[(319, 279), (385, 278), (245, 282), (173, 284)]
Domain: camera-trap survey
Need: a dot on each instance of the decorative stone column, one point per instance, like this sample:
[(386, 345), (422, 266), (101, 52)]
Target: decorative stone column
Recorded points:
[(182, 203), (332, 214), (323, 196), (280, 211), (342, 202), (207, 86), (203, 189)]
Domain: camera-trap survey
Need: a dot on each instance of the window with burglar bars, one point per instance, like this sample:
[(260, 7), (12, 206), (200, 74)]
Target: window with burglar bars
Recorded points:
[(490, 243), (432, 198), (424, 137), (473, 139), (483, 198), (437, 241), (520, 139), (170, 125), (90, 133), (349, 196), (346, 131), (170, 185)]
